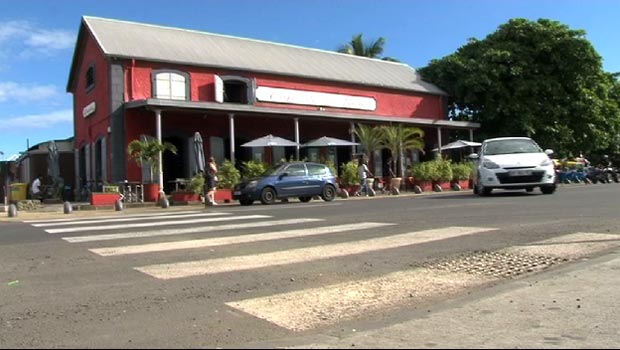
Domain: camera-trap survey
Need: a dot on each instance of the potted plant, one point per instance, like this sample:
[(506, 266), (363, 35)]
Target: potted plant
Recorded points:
[(349, 178), (444, 174), (398, 139), (146, 153), (423, 175), (252, 169), (461, 173), (193, 191), (228, 176)]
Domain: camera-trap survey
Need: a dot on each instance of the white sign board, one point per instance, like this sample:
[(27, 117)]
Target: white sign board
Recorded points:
[(89, 109), (311, 98)]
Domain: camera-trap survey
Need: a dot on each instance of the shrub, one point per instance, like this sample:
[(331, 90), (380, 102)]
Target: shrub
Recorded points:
[(228, 175), (461, 171), (252, 169), (349, 175)]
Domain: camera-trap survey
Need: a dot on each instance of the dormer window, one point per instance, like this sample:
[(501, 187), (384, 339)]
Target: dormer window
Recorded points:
[(171, 85), (235, 89), (90, 78)]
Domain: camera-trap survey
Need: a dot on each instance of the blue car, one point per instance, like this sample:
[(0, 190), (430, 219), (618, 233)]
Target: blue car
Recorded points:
[(298, 179)]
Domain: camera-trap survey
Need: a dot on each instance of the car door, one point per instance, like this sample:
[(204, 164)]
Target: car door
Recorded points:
[(292, 181), (317, 175)]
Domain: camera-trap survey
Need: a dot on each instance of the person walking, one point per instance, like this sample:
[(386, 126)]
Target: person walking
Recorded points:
[(363, 172), (211, 181)]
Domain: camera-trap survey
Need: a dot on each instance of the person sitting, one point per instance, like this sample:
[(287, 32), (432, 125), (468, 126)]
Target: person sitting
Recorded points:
[(35, 188)]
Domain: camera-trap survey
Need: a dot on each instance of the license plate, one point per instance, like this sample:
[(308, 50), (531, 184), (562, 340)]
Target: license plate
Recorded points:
[(520, 172), (237, 193)]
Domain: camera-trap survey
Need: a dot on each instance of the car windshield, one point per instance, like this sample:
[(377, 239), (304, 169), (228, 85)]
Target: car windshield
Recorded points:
[(511, 146)]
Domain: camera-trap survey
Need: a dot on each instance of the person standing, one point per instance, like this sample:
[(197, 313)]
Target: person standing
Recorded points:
[(211, 181)]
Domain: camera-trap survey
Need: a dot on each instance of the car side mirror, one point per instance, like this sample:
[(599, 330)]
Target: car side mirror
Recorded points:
[(283, 175), (549, 151), (473, 156)]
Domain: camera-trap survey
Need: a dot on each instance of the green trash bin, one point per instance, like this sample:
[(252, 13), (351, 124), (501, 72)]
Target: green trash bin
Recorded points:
[(19, 191)]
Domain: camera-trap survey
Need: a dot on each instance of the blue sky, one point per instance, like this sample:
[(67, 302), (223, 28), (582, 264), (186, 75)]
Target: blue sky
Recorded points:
[(37, 38)]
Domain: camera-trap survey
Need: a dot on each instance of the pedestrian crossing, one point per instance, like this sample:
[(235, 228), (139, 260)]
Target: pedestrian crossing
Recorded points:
[(307, 307)]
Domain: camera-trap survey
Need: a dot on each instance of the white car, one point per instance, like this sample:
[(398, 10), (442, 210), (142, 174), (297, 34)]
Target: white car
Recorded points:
[(513, 163)]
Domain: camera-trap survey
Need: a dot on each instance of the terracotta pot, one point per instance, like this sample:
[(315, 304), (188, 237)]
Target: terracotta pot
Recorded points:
[(151, 192), (224, 195), (104, 198), (426, 186)]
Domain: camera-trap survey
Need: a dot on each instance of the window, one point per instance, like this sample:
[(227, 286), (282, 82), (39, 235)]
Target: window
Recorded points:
[(235, 89), (317, 170), (296, 170), (171, 85), (90, 78)]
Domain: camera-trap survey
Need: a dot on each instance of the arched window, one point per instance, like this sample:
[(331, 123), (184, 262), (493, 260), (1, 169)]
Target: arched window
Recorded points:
[(171, 85)]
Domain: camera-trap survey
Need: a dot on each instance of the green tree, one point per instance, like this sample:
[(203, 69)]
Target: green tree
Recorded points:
[(398, 139), (372, 49), (538, 79), (146, 152), (369, 137)]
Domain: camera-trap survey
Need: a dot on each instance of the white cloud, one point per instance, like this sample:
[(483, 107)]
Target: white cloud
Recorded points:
[(38, 121), (25, 39), (11, 91)]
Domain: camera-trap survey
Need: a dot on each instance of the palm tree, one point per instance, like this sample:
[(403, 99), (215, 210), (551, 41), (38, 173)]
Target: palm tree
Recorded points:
[(398, 139), (369, 138), (358, 47), (146, 152), (372, 49)]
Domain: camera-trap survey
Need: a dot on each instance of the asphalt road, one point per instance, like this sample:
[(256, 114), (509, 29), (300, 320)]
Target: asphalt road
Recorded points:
[(288, 274)]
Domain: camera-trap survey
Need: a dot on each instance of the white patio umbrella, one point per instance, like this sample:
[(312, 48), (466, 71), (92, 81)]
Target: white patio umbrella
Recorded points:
[(458, 144), (270, 141), (326, 141)]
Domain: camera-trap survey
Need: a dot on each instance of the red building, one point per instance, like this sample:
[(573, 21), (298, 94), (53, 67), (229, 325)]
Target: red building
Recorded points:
[(132, 79)]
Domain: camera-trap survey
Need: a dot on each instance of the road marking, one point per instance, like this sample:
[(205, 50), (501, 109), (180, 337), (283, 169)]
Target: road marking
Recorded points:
[(571, 246), (133, 218), (212, 242), (310, 308), (154, 224), (153, 233), (120, 215), (247, 262)]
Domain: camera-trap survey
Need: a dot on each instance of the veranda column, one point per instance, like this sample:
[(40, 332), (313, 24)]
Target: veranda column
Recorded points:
[(231, 127), (297, 138), (160, 168)]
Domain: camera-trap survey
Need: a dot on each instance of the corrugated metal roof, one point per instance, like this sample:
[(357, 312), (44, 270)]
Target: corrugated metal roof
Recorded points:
[(157, 43)]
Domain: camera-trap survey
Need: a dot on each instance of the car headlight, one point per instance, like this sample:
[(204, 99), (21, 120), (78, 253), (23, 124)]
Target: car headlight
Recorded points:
[(252, 184), (546, 162), (490, 165)]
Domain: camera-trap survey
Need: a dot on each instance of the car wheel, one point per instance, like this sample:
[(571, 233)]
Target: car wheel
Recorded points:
[(547, 189), (268, 196), (246, 201), (305, 199), (483, 191), (329, 193)]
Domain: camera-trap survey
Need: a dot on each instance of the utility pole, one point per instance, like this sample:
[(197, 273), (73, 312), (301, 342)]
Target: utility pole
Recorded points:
[(6, 186)]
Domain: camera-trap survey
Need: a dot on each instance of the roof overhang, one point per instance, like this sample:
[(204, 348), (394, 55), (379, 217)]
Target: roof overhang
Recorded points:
[(250, 109)]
